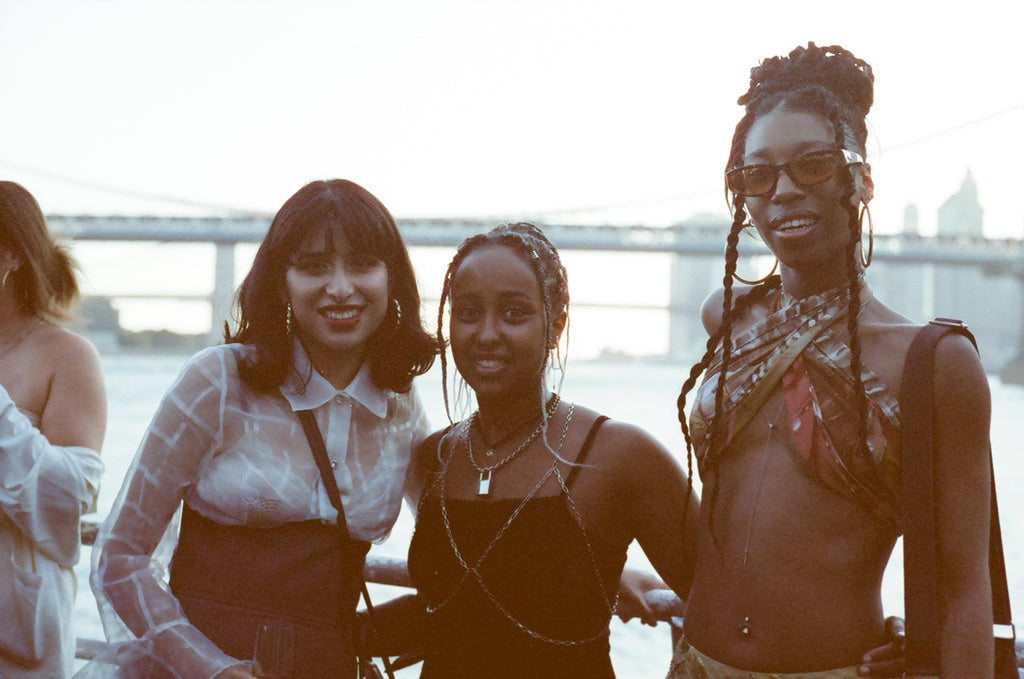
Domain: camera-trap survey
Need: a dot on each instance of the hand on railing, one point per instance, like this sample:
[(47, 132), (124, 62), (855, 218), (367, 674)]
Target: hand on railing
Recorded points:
[(644, 595)]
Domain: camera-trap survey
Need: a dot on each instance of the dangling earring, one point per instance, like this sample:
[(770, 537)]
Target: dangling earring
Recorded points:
[(760, 280), (289, 319), (866, 261), (398, 311), (3, 282)]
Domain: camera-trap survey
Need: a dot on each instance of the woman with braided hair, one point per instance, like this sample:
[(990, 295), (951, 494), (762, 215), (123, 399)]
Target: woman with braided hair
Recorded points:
[(795, 427), (527, 506)]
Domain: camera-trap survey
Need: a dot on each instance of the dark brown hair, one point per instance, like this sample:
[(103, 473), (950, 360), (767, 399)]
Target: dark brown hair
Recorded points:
[(398, 351)]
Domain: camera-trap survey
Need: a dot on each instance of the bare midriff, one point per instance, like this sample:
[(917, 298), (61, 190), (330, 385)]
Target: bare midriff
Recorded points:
[(791, 580)]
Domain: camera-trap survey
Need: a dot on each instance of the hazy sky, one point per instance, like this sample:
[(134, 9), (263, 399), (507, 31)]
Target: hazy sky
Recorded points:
[(521, 109)]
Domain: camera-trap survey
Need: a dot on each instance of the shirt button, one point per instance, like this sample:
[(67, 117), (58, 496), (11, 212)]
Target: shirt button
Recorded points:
[(334, 463), (339, 400)]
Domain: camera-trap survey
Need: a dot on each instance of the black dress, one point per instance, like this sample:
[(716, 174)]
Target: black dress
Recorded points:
[(542, 603)]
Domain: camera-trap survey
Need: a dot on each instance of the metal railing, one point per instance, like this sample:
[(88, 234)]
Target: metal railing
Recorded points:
[(382, 570)]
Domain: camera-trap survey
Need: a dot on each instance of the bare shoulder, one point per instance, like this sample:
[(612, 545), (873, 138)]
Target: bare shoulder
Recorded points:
[(65, 347), (74, 409), (631, 450), (958, 368), (426, 461), (885, 335), (711, 309)]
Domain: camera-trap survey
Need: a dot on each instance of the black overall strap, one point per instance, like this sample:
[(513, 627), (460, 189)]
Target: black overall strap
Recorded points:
[(920, 558), (323, 463)]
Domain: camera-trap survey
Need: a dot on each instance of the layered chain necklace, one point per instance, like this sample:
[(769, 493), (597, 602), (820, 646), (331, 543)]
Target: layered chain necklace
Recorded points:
[(484, 485), (473, 571)]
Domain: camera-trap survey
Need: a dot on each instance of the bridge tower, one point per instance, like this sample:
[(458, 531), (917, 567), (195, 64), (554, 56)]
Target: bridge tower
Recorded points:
[(223, 291)]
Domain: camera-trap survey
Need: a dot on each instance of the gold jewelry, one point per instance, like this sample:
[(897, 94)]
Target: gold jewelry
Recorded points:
[(759, 281), (3, 282), (866, 261)]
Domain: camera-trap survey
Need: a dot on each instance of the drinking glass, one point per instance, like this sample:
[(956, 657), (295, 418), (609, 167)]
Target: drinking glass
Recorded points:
[(274, 656)]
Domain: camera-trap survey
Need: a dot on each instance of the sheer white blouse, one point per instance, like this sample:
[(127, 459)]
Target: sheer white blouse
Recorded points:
[(238, 457), (44, 490)]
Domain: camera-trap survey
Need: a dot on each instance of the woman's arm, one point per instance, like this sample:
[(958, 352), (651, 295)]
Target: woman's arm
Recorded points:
[(962, 483), (422, 468), (662, 511), (50, 476), (129, 576)]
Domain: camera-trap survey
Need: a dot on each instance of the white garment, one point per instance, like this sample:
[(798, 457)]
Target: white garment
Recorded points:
[(239, 458), (44, 489)]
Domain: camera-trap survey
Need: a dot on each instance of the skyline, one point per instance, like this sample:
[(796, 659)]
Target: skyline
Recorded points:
[(573, 111)]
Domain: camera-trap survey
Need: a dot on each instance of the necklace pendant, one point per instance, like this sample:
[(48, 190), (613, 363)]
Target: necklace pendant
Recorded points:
[(745, 630), (484, 488)]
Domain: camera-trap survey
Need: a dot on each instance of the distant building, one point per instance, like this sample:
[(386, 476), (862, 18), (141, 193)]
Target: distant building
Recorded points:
[(961, 214), (911, 221), (97, 319)]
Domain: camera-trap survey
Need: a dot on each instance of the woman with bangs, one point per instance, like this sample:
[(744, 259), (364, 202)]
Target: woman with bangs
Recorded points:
[(329, 324), (795, 427)]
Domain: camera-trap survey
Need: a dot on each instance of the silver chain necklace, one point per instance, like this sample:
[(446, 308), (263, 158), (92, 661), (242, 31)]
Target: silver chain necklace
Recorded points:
[(474, 570), (484, 485), (745, 628)]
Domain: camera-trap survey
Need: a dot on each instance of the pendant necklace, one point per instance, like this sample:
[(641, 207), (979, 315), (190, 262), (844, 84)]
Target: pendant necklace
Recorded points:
[(484, 483), (745, 628)]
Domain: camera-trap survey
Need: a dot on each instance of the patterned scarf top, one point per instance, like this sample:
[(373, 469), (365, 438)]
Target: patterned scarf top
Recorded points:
[(800, 347)]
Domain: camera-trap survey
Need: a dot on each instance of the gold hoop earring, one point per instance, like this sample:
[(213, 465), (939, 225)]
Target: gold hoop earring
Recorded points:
[(398, 311), (760, 280), (866, 261), (3, 282)]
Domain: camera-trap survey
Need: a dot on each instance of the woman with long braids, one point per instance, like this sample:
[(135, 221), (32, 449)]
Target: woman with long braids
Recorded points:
[(795, 427)]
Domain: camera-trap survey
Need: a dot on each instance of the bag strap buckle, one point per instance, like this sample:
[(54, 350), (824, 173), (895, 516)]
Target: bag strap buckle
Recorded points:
[(949, 322), (1006, 630)]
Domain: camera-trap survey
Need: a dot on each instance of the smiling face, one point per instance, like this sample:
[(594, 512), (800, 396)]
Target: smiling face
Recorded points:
[(339, 297), (806, 227), (497, 328)]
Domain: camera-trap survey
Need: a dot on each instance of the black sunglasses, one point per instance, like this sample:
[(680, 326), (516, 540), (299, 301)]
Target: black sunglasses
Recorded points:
[(807, 169)]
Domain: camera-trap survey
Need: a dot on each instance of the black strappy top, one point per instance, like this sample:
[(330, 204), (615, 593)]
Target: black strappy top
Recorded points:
[(541, 605)]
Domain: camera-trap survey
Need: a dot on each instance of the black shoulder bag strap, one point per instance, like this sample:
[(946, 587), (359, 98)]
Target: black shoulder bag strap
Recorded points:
[(920, 562), (323, 463)]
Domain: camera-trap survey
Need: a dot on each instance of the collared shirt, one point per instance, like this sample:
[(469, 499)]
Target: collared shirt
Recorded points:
[(241, 458)]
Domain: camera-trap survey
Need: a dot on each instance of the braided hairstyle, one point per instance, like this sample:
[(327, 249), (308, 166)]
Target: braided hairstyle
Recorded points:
[(534, 248), (830, 82)]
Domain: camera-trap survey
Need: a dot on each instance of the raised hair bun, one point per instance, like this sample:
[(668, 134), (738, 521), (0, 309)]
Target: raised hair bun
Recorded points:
[(832, 68)]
